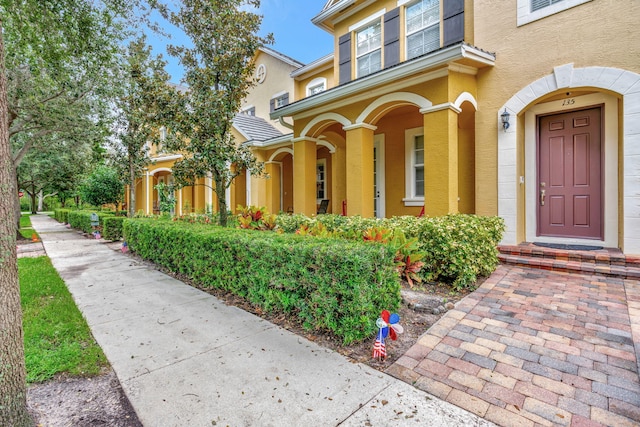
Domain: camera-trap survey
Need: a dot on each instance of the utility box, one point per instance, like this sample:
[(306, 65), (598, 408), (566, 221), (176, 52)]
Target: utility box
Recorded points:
[(95, 221)]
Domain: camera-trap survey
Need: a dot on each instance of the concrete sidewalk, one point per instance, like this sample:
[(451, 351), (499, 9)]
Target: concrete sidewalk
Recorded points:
[(186, 359)]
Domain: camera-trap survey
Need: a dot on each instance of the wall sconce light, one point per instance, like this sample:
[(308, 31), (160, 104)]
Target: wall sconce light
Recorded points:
[(504, 117)]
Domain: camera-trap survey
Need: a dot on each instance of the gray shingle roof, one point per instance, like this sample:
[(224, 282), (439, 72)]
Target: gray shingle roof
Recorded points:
[(255, 128)]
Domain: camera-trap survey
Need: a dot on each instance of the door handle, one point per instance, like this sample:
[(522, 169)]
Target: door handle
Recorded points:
[(542, 194)]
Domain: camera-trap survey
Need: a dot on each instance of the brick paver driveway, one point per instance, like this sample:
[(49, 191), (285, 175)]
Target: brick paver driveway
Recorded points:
[(532, 347)]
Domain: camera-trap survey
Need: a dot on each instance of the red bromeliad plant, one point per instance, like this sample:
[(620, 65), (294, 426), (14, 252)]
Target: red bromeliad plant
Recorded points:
[(408, 256), (254, 218), (377, 234)]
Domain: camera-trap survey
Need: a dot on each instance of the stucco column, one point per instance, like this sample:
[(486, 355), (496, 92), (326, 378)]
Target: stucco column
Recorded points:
[(273, 187), (338, 178), (149, 194), (359, 174), (198, 196), (440, 161), (259, 185), (304, 176)]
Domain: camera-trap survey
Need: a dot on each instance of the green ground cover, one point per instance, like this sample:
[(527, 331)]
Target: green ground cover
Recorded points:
[(26, 229), (57, 339)]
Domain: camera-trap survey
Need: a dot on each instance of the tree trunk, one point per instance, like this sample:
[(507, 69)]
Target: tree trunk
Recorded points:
[(15, 197), (33, 195), (222, 200), (13, 388), (132, 189)]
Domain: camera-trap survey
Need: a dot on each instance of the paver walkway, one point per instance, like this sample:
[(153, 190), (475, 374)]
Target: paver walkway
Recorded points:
[(184, 358), (532, 347)]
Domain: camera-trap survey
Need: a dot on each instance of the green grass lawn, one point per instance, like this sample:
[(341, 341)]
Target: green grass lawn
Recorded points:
[(57, 339), (25, 227)]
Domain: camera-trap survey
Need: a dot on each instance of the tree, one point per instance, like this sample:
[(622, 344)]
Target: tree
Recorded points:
[(102, 187), (144, 107), (13, 391), (61, 57), (55, 169), (218, 72), (57, 56)]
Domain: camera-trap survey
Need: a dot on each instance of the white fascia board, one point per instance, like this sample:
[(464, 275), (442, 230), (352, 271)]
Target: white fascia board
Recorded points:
[(325, 14), (281, 56), (284, 139), (313, 66), (439, 58), (167, 158), (247, 137)]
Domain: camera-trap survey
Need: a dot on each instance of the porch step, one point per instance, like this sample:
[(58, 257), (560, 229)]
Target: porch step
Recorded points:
[(609, 262)]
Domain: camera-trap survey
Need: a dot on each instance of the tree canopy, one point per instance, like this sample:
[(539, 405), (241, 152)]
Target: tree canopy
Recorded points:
[(56, 62), (218, 73), (145, 105)]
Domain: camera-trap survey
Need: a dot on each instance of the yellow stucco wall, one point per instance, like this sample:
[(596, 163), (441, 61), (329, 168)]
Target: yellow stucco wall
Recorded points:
[(596, 33), (277, 81), (302, 83)]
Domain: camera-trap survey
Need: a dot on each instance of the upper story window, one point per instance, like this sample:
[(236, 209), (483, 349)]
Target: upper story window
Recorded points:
[(539, 4), (279, 100), (316, 89), (250, 111), (423, 27), (316, 85), (532, 10), (369, 49)]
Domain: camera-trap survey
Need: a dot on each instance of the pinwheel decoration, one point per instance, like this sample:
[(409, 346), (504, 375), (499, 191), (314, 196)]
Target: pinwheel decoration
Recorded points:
[(388, 326)]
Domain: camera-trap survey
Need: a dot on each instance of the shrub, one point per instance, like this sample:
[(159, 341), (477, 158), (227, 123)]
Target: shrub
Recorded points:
[(113, 227), (102, 187), (81, 220), (61, 215), (459, 248), (330, 284)]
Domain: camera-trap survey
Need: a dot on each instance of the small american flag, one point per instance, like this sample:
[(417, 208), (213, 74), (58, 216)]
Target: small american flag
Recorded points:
[(379, 349)]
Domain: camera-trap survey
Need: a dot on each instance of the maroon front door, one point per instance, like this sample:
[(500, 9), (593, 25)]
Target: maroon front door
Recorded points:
[(570, 175)]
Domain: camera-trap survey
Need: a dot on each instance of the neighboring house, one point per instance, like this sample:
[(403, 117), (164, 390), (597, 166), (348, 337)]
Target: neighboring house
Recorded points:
[(407, 115), (252, 125)]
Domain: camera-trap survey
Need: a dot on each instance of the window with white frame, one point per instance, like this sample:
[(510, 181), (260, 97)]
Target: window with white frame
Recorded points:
[(539, 4), (317, 88), (423, 27), (281, 101), (369, 49), (321, 180), (414, 167), (162, 138), (532, 10)]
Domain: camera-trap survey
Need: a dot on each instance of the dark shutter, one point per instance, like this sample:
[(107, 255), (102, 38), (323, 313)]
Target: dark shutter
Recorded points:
[(392, 37), (344, 58), (453, 21), (272, 105)]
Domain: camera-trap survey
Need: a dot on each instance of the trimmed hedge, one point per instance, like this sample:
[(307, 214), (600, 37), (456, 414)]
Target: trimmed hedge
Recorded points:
[(459, 248), (330, 284), (112, 229), (81, 220), (61, 215)]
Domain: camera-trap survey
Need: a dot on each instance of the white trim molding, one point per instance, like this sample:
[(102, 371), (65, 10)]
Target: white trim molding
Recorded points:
[(333, 117), (626, 84), (525, 15), (393, 100), (278, 152)]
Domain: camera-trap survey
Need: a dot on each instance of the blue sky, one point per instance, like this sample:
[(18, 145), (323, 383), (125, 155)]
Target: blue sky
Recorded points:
[(289, 21)]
